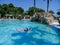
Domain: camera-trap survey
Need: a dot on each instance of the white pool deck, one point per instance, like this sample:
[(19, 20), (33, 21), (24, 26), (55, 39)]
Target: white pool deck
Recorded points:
[(55, 24)]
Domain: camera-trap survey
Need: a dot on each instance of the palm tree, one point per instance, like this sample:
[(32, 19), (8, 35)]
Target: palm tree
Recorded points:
[(34, 6), (48, 5), (48, 1)]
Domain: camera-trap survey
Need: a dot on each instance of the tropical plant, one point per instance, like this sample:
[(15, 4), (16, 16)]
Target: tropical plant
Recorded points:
[(10, 8), (58, 13), (20, 10), (0, 10), (51, 12), (3, 10), (31, 11), (41, 10), (59, 16), (37, 10)]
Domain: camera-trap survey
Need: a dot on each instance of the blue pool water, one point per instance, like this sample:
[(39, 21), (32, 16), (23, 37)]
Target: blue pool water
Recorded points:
[(39, 34)]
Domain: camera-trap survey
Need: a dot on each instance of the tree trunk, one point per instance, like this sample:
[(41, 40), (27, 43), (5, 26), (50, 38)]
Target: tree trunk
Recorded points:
[(34, 6), (47, 5)]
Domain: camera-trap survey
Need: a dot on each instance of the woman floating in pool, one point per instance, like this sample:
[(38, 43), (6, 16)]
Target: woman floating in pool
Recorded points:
[(24, 30)]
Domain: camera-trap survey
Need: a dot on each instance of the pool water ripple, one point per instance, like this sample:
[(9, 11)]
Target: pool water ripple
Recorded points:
[(39, 33)]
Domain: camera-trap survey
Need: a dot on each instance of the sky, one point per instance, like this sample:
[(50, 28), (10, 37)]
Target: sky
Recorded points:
[(25, 4)]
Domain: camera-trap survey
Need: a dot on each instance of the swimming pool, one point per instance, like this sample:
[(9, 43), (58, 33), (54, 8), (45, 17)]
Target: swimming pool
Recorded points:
[(39, 34)]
